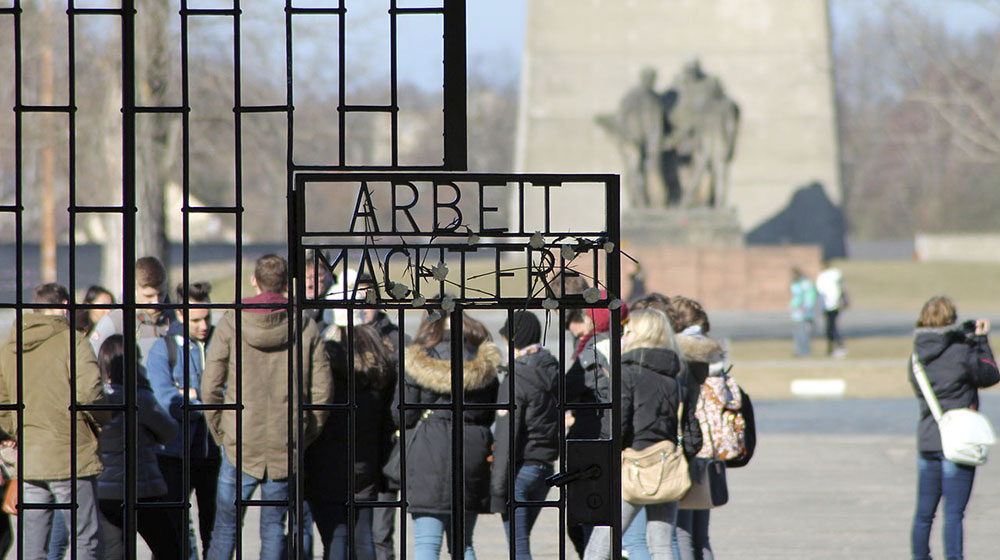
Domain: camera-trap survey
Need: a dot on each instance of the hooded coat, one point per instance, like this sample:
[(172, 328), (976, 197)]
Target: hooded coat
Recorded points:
[(263, 380), (650, 401), (45, 449), (957, 365), (428, 456), (536, 417), (156, 427)]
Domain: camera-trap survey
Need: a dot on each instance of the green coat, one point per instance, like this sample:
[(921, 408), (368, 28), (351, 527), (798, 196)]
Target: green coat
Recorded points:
[(263, 381), (45, 449)]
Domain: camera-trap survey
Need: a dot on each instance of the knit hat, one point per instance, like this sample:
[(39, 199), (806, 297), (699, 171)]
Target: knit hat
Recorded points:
[(527, 329)]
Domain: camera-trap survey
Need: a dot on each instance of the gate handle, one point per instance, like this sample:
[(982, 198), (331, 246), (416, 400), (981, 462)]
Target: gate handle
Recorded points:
[(562, 479)]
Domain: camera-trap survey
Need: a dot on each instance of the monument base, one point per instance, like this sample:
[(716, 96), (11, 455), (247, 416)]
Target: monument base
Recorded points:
[(694, 227), (701, 253)]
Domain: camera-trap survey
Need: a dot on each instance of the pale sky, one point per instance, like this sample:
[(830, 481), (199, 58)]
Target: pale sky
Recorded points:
[(496, 27)]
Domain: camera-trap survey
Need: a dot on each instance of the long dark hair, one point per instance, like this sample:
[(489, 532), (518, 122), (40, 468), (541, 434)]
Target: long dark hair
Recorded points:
[(111, 360), (373, 357), (431, 333), (83, 322)]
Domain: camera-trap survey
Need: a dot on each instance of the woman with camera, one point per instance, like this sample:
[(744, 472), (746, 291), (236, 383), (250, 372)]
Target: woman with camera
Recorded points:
[(958, 361)]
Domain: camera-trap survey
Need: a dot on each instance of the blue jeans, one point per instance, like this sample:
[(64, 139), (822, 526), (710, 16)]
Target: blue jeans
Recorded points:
[(660, 520), (427, 531), (58, 539), (937, 477), (634, 538), (800, 336), (692, 534), (273, 545), (529, 486), (331, 521)]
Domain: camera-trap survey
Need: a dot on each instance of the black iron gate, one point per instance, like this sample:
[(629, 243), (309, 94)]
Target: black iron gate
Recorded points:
[(433, 237), (441, 243)]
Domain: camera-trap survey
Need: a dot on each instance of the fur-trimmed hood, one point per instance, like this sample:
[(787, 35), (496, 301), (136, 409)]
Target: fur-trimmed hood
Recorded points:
[(700, 348), (929, 342), (435, 373)]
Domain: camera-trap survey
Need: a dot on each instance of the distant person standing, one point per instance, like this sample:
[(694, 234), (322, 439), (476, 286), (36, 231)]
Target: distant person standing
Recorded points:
[(248, 357), (802, 307), (830, 285), (155, 427), (958, 362), (46, 350), (87, 319), (534, 447), (318, 284), (383, 519), (150, 323), (428, 454), (166, 370)]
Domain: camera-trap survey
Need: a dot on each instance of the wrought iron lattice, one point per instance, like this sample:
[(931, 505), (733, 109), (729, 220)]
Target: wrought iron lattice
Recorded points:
[(440, 243), (548, 251)]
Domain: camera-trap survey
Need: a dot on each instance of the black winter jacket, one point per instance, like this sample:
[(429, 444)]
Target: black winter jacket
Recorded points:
[(428, 457), (650, 400), (957, 366), (326, 459), (156, 427), (537, 421)]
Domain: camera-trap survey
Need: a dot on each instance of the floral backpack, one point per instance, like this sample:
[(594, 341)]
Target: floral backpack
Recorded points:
[(727, 424)]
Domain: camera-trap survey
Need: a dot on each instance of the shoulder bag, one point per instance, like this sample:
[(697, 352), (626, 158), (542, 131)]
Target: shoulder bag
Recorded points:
[(966, 434), (8, 464), (391, 470), (708, 481), (659, 473)]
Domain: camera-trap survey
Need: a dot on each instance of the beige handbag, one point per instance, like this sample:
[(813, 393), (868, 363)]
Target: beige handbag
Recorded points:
[(657, 474)]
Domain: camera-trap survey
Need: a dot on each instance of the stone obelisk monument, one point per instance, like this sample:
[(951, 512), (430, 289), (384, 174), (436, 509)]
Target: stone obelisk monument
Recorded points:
[(581, 59)]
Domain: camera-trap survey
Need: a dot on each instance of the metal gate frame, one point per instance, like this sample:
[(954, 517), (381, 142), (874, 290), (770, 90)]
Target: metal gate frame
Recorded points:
[(458, 238), (453, 14)]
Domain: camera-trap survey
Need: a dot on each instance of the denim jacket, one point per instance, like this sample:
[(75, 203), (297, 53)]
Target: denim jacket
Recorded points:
[(168, 384)]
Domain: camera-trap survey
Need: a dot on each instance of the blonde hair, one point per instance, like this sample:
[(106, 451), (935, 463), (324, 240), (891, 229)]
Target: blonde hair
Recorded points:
[(650, 328), (939, 311)]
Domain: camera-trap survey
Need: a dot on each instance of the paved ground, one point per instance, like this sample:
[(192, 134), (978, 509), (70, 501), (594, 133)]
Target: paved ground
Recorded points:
[(831, 479)]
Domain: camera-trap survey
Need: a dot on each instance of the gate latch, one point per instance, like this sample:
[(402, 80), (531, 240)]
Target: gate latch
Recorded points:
[(562, 479), (589, 499)]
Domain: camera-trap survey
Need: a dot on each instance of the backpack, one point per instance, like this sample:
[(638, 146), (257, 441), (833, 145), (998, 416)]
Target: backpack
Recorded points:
[(726, 415), (749, 433)]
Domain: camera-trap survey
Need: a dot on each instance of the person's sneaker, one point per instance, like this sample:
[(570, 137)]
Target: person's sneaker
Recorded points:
[(839, 353)]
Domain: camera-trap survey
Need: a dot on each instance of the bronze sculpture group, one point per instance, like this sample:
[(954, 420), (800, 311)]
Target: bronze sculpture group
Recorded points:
[(677, 145)]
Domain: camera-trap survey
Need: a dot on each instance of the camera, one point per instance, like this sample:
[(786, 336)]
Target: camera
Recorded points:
[(969, 327)]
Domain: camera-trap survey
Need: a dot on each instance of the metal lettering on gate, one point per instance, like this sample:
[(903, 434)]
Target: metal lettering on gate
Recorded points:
[(446, 243)]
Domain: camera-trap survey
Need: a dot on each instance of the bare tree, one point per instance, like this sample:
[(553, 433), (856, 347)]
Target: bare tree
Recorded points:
[(158, 134), (919, 107)]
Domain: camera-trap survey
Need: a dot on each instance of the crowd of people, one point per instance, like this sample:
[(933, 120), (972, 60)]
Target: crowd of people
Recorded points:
[(674, 387)]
